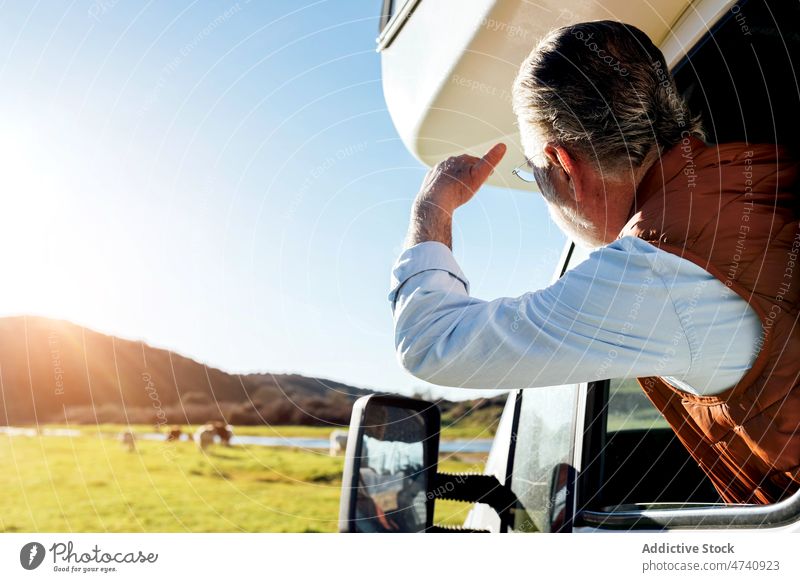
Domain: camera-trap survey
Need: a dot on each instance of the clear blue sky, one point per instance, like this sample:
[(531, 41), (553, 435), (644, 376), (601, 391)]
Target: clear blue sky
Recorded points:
[(223, 179)]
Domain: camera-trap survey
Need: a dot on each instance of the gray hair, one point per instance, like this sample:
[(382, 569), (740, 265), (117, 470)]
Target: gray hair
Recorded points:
[(603, 91)]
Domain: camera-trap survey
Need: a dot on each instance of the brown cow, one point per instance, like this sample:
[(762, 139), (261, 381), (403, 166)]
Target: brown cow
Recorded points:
[(175, 433)]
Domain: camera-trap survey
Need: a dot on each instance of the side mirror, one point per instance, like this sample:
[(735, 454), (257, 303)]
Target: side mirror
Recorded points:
[(390, 465)]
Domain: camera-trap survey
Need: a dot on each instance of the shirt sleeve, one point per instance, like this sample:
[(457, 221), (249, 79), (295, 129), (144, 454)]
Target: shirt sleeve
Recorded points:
[(611, 316)]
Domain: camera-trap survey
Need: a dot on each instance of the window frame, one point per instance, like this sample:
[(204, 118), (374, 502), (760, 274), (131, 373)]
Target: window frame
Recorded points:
[(591, 431), (390, 24), (566, 524), (592, 412), (779, 514)]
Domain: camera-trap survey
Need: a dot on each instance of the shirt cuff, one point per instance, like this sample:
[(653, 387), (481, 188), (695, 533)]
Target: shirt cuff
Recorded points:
[(425, 256)]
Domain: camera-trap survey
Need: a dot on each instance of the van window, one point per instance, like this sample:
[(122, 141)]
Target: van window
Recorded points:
[(544, 443), (630, 409)]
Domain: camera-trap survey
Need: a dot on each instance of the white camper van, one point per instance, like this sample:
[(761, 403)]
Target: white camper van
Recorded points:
[(584, 457)]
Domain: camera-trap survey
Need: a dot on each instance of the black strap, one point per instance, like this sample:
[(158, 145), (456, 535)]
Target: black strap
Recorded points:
[(474, 488)]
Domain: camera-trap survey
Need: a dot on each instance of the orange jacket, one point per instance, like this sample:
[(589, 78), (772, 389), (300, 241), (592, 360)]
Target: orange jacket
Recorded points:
[(732, 209)]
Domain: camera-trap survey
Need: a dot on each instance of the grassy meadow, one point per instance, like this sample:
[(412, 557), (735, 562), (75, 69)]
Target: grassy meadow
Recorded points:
[(465, 429), (91, 484)]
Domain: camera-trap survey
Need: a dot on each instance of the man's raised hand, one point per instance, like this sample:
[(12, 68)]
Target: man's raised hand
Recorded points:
[(454, 181)]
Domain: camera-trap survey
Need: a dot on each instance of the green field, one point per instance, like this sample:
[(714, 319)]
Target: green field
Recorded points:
[(90, 484), (460, 430)]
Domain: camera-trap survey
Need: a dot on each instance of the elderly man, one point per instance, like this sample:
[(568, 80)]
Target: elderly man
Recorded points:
[(692, 288)]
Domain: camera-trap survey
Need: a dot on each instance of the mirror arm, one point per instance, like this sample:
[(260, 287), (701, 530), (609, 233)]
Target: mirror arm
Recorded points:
[(454, 529), (475, 488)]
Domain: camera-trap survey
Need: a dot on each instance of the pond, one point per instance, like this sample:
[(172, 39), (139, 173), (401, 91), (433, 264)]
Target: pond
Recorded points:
[(447, 446)]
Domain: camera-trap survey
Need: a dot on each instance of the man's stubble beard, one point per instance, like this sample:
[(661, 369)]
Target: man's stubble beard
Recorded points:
[(568, 219), (574, 226)]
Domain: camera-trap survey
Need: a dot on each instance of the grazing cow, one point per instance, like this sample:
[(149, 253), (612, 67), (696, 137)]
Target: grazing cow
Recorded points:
[(128, 440), (338, 442), (223, 431), (210, 431), (175, 433), (204, 437)]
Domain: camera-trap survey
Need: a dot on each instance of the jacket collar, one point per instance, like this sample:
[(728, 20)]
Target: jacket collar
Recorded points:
[(669, 165)]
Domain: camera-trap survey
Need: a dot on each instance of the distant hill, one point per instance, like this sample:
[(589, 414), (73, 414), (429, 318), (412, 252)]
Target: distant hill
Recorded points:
[(54, 371)]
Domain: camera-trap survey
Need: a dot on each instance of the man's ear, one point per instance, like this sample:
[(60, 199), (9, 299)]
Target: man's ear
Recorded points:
[(558, 155), (570, 166)]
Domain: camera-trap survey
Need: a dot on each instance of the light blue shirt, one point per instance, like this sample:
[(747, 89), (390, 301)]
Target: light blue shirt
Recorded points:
[(629, 310), (392, 457)]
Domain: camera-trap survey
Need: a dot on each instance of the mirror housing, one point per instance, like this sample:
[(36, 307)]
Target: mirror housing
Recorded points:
[(390, 465)]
